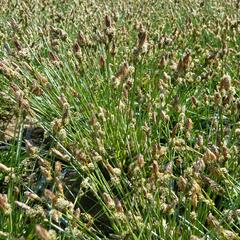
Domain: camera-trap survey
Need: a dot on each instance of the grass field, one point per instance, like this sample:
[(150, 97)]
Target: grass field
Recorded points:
[(120, 119)]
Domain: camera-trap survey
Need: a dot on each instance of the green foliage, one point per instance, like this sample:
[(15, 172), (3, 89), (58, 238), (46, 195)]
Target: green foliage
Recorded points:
[(119, 119)]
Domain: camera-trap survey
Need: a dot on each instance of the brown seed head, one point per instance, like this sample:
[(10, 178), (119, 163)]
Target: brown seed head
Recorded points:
[(225, 83), (42, 233), (4, 205), (209, 157), (140, 160)]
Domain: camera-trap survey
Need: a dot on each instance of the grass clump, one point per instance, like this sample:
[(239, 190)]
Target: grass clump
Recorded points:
[(119, 120)]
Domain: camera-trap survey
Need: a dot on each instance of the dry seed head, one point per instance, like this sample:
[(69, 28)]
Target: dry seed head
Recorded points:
[(4, 205), (100, 145), (140, 160), (60, 155), (46, 173), (209, 157), (182, 183), (76, 48), (193, 216), (53, 57), (15, 26), (82, 39), (55, 215), (44, 163), (217, 99), (164, 116), (142, 37), (118, 206), (200, 141), (65, 112), (42, 80), (49, 195), (85, 184), (16, 191), (31, 195), (109, 30), (77, 215), (217, 172), (59, 186), (31, 150), (64, 205), (154, 116), (194, 200), (36, 89), (108, 201), (24, 104), (123, 72), (196, 189), (22, 205), (163, 62), (174, 130), (113, 50), (117, 172), (214, 186), (227, 234), (215, 150), (206, 99), (102, 114), (5, 169), (101, 62), (56, 125), (58, 168), (17, 43), (212, 221), (44, 234), (96, 156), (80, 156), (198, 166), (178, 161), (93, 121), (194, 101), (63, 99), (225, 83), (155, 168), (17, 91), (189, 124), (166, 77), (187, 59), (108, 23), (36, 212), (113, 171)]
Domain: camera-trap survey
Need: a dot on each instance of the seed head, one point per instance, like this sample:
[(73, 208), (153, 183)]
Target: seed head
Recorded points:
[(209, 157), (217, 99), (118, 206), (182, 183), (225, 83), (44, 234), (108, 200), (4, 205), (140, 160), (64, 205), (212, 221), (5, 169), (31, 195)]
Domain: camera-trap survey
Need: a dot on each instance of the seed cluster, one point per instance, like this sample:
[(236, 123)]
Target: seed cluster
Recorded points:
[(120, 119)]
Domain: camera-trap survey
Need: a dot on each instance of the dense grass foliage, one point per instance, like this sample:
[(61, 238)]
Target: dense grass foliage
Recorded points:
[(119, 119)]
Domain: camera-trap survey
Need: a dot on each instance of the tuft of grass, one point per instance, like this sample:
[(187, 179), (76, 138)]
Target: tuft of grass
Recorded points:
[(119, 120)]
